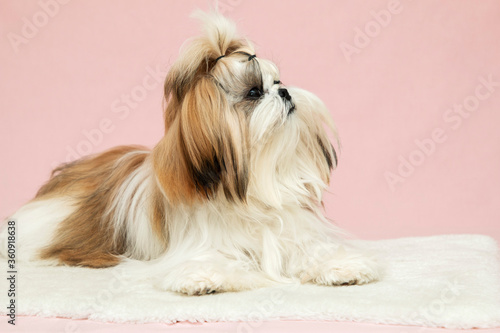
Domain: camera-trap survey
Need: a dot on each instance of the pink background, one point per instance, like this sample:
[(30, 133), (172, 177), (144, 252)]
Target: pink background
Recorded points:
[(68, 76)]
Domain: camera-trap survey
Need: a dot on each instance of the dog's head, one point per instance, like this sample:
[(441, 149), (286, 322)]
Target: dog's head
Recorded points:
[(234, 131)]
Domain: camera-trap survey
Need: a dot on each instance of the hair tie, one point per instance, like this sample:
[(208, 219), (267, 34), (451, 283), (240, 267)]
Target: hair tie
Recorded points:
[(251, 57), (222, 56)]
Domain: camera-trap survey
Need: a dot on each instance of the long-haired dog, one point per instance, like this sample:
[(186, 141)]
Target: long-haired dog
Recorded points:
[(229, 199)]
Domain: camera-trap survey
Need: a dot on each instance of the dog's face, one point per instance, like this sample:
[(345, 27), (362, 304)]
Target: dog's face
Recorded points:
[(235, 132), (252, 86)]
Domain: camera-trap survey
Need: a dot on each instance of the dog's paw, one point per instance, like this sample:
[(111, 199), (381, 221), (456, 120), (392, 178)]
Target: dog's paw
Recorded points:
[(197, 285), (343, 269), (196, 279)]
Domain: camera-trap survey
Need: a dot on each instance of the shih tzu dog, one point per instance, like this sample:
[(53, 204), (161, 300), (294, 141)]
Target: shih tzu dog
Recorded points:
[(229, 199)]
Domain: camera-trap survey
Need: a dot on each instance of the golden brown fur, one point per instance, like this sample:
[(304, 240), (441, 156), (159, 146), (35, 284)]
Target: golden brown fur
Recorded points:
[(204, 144), (85, 238), (203, 148)]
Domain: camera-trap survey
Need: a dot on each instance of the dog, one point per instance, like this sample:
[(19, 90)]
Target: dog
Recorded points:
[(228, 200)]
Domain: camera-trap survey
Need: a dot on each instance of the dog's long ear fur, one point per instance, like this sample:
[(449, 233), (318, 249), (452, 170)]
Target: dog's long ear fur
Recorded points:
[(198, 58), (204, 147)]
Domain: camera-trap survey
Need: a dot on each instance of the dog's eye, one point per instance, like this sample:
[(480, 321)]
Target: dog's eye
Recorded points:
[(277, 82), (255, 92)]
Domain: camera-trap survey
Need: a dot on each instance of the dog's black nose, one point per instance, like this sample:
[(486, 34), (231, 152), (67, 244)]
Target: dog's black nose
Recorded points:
[(284, 94)]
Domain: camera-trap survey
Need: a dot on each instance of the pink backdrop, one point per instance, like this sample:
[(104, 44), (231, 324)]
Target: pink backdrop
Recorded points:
[(82, 76), (412, 85)]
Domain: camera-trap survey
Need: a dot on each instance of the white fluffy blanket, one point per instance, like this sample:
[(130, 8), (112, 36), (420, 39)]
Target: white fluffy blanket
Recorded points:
[(440, 281)]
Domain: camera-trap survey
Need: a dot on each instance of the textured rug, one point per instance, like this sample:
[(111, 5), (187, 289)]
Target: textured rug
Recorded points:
[(440, 281)]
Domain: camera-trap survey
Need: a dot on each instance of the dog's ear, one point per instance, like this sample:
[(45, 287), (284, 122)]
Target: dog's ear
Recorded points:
[(204, 148), (204, 152)]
